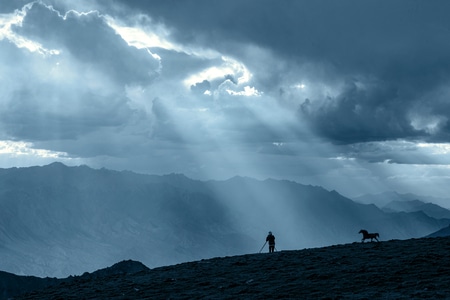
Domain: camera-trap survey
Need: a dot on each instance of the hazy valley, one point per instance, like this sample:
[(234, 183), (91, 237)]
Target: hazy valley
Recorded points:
[(58, 221)]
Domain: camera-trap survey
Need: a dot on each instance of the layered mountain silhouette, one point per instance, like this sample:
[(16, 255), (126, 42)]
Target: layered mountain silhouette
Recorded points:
[(58, 221), (444, 232), (395, 202), (430, 209), (384, 199)]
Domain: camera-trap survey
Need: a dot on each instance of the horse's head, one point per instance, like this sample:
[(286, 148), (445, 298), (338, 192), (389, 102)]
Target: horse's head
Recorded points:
[(363, 231)]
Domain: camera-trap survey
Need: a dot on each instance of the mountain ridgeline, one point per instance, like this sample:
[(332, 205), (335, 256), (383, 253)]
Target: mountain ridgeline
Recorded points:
[(59, 221)]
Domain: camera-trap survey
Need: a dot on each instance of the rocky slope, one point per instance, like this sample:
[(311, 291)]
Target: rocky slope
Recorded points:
[(396, 269)]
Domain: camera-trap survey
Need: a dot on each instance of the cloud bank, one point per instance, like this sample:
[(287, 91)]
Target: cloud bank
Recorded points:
[(322, 93)]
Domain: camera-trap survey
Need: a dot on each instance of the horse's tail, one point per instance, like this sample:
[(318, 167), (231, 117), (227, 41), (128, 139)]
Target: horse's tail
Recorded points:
[(377, 235)]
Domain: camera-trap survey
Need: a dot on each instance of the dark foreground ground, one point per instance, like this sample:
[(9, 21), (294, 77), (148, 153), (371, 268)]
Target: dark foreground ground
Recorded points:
[(409, 269)]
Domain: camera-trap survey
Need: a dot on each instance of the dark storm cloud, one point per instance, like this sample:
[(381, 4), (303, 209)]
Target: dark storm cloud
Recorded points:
[(67, 78), (402, 47), (9, 6), (90, 41), (25, 118), (359, 115), (346, 33), (323, 92), (385, 111)]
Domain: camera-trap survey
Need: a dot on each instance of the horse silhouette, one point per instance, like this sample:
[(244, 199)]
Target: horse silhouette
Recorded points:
[(367, 235)]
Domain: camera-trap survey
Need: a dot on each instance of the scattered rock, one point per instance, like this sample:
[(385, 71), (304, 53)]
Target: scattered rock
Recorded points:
[(393, 269)]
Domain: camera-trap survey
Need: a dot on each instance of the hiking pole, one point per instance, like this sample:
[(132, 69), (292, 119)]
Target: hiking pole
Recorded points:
[(262, 247)]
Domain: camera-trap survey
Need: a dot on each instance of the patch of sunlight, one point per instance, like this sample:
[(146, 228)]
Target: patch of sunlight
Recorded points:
[(15, 149), (248, 91), (228, 67), (436, 148)]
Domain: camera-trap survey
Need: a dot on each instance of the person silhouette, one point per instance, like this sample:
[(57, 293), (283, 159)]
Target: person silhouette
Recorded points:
[(271, 239)]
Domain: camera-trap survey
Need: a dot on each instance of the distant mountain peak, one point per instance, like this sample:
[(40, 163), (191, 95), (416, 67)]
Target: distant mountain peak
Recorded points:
[(56, 164), (176, 175), (123, 267)]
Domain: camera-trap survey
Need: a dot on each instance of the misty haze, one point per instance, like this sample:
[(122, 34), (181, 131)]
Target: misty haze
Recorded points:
[(169, 132), (60, 221)]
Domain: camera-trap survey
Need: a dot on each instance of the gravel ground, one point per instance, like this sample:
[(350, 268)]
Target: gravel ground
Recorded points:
[(408, 269)]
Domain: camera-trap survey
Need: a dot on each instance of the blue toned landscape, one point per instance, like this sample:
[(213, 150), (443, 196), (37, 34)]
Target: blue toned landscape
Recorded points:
[(159, 142)]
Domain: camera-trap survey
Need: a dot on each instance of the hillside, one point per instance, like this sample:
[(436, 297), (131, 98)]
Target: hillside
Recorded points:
[(58, 221), (444, 232), (415, 268)]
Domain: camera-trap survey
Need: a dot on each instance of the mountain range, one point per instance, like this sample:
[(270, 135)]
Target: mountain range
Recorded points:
[(383, 199), (58, 221)]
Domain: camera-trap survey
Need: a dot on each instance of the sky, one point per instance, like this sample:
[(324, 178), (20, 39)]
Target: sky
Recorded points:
[(352, 95)]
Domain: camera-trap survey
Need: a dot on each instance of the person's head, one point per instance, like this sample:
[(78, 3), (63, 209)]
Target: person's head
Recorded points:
[(270, 232)]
